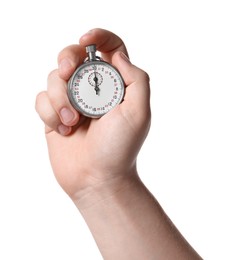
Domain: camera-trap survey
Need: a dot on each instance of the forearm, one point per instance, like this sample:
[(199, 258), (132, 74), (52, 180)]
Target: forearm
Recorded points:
[(128, 223)]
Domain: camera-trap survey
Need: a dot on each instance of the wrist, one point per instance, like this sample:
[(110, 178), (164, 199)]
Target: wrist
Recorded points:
[(102, 190)]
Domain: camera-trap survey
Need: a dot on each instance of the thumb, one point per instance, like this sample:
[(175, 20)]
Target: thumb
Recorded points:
[(137, 96)]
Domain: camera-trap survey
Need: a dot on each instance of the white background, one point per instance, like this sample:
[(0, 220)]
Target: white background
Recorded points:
[(184, 46)]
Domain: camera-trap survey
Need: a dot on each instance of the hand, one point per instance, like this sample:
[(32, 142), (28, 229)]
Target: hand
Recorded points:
[(85, 152)]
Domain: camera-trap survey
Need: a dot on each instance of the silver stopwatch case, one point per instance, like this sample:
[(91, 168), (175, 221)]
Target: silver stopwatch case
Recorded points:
[(96, 87)]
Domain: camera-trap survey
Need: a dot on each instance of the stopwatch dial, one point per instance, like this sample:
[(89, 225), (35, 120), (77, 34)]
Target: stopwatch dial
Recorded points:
[(95, 79), (95, 88)]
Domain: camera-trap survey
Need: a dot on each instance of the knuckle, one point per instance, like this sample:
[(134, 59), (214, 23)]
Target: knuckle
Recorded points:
[(39, 98), (66, 52), (45, 110), (51, 119), (144, 76), (52, 74)]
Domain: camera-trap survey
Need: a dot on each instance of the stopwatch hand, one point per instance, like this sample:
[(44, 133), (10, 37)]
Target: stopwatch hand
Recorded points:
[(97, 89), (96, 85)]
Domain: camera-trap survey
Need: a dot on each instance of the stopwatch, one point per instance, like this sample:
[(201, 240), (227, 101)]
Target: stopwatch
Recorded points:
[(95, 87)]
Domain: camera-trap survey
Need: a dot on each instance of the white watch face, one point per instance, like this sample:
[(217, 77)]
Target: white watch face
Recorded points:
[(95, 88)]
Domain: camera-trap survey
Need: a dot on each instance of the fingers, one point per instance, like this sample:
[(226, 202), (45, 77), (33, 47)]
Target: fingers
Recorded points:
[(137, 96), (69, 59), (49, 115), (57, 93), (72, 56), (106, 42), (54, 107)]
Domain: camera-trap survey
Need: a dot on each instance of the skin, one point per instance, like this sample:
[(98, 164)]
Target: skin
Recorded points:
[(94, 160)]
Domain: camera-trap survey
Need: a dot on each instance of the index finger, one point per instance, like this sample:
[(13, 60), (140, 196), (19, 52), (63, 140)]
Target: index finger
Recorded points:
[(69, 59), (106, 42)]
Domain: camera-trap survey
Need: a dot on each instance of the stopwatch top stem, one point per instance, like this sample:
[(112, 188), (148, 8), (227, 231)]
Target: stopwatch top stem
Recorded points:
[(91, 50)]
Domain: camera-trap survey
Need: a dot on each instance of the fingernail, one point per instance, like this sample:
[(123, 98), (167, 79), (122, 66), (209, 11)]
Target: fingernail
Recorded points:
[(64, 130), (124, 57), (66, 115)]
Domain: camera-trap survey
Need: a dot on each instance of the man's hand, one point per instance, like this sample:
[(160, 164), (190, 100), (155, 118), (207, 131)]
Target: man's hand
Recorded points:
[(86, 152)]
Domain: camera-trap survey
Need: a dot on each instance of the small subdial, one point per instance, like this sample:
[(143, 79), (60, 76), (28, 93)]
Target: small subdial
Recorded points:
[(95, 79)]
